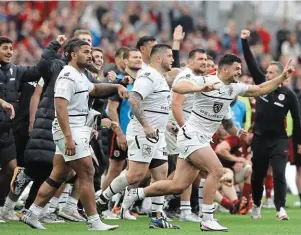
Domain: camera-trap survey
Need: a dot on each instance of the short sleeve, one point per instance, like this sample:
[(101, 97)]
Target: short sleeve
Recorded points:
[(144, 85), (241, 88), (65, 87), (41, 82), (228, 115)]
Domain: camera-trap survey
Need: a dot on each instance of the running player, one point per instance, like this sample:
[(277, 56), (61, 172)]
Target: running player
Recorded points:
[(212, 100), (150, 104), (71, 133)]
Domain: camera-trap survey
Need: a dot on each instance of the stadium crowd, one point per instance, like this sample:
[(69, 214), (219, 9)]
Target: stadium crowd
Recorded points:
[(48, 69)]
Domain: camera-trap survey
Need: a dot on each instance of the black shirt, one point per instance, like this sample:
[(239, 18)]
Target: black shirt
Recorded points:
[(272, 109)]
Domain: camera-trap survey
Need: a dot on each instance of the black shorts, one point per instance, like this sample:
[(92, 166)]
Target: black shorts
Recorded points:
[(294, 157), (7, 147), (172, 163), (115, 152)]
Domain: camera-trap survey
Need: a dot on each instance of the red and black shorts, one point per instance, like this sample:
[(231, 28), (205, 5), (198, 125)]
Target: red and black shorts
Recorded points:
[(115, 152)]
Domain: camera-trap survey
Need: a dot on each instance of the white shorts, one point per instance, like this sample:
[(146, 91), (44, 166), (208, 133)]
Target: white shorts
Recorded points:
[(81, 137), (171, 143), (190, 140), (141, 149)]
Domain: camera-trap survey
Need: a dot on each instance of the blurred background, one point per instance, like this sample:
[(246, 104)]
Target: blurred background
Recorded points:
[(213, 25)]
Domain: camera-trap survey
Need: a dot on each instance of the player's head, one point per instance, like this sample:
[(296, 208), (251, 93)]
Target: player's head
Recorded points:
[(97, 56), (119, 58), (161, 54), (79, 53), (229, 67), (145, 45), (197, 61), (133, 59), (83, 35), (6, 50), (274, 70), (211, 67)]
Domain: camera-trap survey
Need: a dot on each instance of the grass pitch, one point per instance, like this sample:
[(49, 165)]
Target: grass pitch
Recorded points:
[(238, 225)]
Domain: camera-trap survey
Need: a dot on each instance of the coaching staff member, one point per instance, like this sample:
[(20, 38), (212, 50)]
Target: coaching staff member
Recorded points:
[(270, 142)]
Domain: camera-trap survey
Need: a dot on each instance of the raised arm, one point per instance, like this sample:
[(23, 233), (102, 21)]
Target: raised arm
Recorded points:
[(254, 70), (188, 86), (178, 37), (269, 86)]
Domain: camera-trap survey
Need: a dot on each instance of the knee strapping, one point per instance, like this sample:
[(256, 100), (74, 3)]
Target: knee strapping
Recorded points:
[(53, 183)]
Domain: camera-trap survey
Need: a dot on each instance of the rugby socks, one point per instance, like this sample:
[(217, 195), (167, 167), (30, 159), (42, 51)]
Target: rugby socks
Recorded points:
[(208, 211), (269, 184), (36, 210), (117, 185), (72, 202), (227, 203), (9, 205), (53, 204), (201, 188), (45, 209), (247, 190), (185, 208), (157, 206)]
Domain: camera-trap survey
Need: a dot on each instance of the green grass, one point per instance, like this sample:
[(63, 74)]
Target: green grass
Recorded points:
[(238, 225)]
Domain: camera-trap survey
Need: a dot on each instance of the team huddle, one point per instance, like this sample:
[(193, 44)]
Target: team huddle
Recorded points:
[(174, 116)]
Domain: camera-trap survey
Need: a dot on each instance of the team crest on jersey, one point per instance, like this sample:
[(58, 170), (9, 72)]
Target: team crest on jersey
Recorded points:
[(281, 97), (146, 150), (217, 106), (116, 153)]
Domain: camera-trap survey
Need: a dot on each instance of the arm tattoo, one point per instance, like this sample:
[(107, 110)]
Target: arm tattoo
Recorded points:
[(135, 101)]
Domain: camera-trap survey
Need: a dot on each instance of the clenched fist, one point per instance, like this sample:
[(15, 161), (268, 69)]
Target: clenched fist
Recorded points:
[(245, 34)]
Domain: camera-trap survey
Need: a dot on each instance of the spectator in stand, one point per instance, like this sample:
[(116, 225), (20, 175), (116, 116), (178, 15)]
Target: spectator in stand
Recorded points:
[(291, 48), (281, 35), (265, 37)]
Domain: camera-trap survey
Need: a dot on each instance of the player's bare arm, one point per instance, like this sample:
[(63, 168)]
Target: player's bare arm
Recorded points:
[(61, 105), (232, 129), (177, 108), (135, 101), (102, 89), (186, 87), (269, 86), (224, 150)]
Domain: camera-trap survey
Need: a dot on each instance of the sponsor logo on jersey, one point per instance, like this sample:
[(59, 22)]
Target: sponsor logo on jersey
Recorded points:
[(217, 106)]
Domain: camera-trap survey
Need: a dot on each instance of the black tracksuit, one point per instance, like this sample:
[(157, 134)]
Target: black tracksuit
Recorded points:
[(270, 142)]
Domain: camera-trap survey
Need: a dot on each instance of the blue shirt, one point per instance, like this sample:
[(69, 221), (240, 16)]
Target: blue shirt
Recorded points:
[(238, 113), (125, 113)]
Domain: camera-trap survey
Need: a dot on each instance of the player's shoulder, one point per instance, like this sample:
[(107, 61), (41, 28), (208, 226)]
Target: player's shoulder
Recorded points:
[(67, 73), (185, 73), (148, 73)]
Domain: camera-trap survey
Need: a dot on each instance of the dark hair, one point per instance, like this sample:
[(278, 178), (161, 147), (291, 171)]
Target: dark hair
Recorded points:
[(228, 59), (159, 48), (120, 51), (72, 46), (194, 51), (209, 57), (5, 40), (143, 40), (280, 67), (126, 54), (97, 49)]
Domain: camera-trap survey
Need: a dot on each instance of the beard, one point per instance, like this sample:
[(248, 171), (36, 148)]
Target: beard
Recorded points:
[(133, 68), (84, 65)]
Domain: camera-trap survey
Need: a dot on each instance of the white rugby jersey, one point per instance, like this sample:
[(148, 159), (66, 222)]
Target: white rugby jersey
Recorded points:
[(210, 108), (185, 74), (153, 88), (74, 87)]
